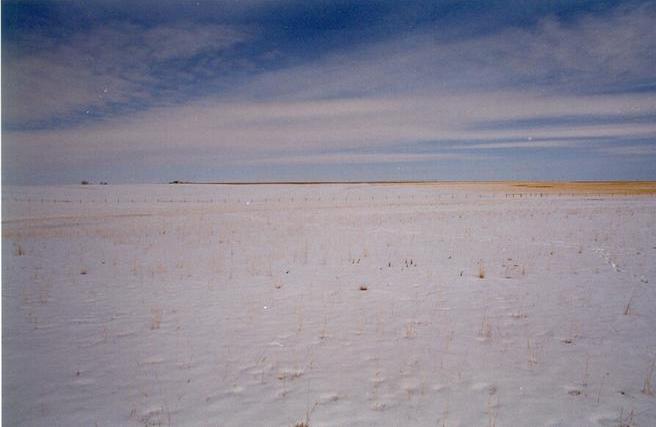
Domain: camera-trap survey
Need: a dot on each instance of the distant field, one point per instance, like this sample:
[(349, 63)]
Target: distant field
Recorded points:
[(579, 187), (613, 187), (596, 187)]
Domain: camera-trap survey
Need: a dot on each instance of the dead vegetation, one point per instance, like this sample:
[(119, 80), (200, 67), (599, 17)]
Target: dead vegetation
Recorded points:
[(550, 187), (646, 388), (532, 359), (485, 331), (626, 421), (600, 187), (156, 318), (627, 309), (410, 329)]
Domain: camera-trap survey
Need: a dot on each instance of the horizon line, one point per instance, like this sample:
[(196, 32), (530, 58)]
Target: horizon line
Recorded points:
[(428, 181)]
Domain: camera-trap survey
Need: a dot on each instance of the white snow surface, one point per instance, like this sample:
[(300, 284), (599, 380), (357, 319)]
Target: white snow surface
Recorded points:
[(241, 305)]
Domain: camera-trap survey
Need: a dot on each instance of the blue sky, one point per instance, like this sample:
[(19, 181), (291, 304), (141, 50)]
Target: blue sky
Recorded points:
[(153, 91)]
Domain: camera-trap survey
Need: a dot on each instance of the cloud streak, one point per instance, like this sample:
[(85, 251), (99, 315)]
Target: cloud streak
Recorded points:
[(237, 131), (110, 65), (596, 54)]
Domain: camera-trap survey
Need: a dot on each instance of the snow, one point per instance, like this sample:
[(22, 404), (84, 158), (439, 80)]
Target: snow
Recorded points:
[(242, 305)]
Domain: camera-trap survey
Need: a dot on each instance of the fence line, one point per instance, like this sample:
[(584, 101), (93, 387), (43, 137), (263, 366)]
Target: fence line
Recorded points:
[(357, 200)]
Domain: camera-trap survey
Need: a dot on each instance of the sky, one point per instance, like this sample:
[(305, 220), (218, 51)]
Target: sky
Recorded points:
[(259, 90)]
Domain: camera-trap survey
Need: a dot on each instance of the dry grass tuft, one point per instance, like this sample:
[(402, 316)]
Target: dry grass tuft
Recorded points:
[(486, 328), (481, 270), (627, 309), (532, 354), (626, 421), (156, 318), (646, 388), (411, 329)]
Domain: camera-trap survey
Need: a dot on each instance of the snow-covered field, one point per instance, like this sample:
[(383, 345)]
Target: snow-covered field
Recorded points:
[(327, 304)]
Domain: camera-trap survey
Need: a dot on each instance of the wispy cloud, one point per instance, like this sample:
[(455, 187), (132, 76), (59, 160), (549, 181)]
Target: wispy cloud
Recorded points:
[(355, 158), (529, 143), (580, 84), (632, 150), (594, 54), (108, 66), (233, 130)]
